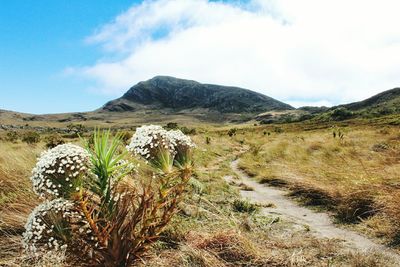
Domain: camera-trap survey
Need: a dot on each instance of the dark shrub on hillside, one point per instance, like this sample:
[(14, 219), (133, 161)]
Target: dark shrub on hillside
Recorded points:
[(305, 117), (76, 130), (267, 121), (171, 126), (232, 132), (186, 130), (278, 130), (31, 137), (53, 140), (340, 114), (12, 136), (208, 140)]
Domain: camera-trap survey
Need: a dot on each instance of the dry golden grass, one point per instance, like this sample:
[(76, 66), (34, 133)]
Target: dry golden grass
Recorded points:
[(208, 232), (357, 177)]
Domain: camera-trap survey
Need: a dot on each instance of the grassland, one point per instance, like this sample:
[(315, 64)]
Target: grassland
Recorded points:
[(354, 177)]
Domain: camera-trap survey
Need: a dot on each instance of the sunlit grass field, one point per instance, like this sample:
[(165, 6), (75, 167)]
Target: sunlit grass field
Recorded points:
[(355, 177)]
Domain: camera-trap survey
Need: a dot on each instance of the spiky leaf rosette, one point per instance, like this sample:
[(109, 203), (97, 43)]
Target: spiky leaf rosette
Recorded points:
[(183, 147), (60, 171), (49, 226), (153, 144)]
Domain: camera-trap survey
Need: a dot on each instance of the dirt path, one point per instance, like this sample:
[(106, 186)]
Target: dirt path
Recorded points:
[(319, 223)]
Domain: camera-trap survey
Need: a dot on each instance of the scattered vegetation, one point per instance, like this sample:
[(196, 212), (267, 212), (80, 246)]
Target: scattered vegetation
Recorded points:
[(232, 132), (31, 137), (356, 178), (244, 205), (53, 140), (12, 136), (349, 178)]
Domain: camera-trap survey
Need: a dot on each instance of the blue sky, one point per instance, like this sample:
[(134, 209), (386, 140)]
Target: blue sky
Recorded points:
[(75, 55), (38, 40)]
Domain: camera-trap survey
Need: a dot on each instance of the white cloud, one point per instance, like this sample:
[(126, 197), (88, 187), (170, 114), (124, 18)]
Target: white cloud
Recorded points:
[(328, 51)]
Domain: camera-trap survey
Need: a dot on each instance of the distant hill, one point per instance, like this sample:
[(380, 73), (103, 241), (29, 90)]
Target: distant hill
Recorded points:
[(163, 92), (387, 101)]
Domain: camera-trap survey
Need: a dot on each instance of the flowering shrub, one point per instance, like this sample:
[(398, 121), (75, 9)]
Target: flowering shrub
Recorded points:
[(183, 147), (153, 144), (47, 226), (99, 206), (60, 171), (162, 147), (149, 140)]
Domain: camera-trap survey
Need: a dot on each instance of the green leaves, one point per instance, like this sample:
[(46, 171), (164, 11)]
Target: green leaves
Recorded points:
[(108, 163)]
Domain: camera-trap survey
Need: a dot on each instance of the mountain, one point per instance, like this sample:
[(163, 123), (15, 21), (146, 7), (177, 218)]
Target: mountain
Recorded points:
[(163, 92)]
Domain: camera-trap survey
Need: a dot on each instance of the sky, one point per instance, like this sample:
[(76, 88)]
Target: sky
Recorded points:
[(75, 55)]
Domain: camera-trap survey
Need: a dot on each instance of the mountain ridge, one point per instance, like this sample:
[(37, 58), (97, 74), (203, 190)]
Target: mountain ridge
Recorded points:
[(181, 94)]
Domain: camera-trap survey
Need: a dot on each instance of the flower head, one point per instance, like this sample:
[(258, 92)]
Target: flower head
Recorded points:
[(180, 140), (58, 169), (148, 140), (46, 228)]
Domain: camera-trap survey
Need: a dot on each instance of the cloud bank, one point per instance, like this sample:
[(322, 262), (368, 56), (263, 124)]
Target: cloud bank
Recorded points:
[(302, 52)]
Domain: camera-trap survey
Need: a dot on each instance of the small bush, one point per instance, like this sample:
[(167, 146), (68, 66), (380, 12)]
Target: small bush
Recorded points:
[(340, 114), (76, 130), (278, 130), (171, 126), (12, 136), (232, 132), (190, 131), (208, 140), (245, 206), (53, 141), (31, 137)]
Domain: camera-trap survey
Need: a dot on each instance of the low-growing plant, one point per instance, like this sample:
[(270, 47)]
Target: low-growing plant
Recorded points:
[(337, 132), (278, 130), (189, 131), (12, 136), (232, 132), (380, 147), (31, 137), (100, 206), (171, 126), (208, 140), (244, 205), (76, 130), (255, 149), (54, 140)]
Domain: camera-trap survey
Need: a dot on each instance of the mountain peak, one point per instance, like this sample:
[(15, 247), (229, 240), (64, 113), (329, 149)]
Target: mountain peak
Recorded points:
[(166, 92)]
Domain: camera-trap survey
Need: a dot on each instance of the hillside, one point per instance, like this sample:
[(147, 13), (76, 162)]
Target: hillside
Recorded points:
[(386, 102), (163, 92)]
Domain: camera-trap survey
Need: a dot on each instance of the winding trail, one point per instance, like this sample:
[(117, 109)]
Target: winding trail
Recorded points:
[(319, 222)]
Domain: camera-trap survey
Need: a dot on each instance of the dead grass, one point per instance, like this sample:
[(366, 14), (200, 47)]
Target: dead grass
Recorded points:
[(356, 177), (208, 232)]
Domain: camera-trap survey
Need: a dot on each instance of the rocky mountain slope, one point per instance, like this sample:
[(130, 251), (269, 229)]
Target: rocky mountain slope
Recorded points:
[(163, 92)]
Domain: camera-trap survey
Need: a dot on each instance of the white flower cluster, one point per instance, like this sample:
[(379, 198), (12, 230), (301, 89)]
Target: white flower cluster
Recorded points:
[(148, 140), (57, 168), (180, 139), (41, 233)]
